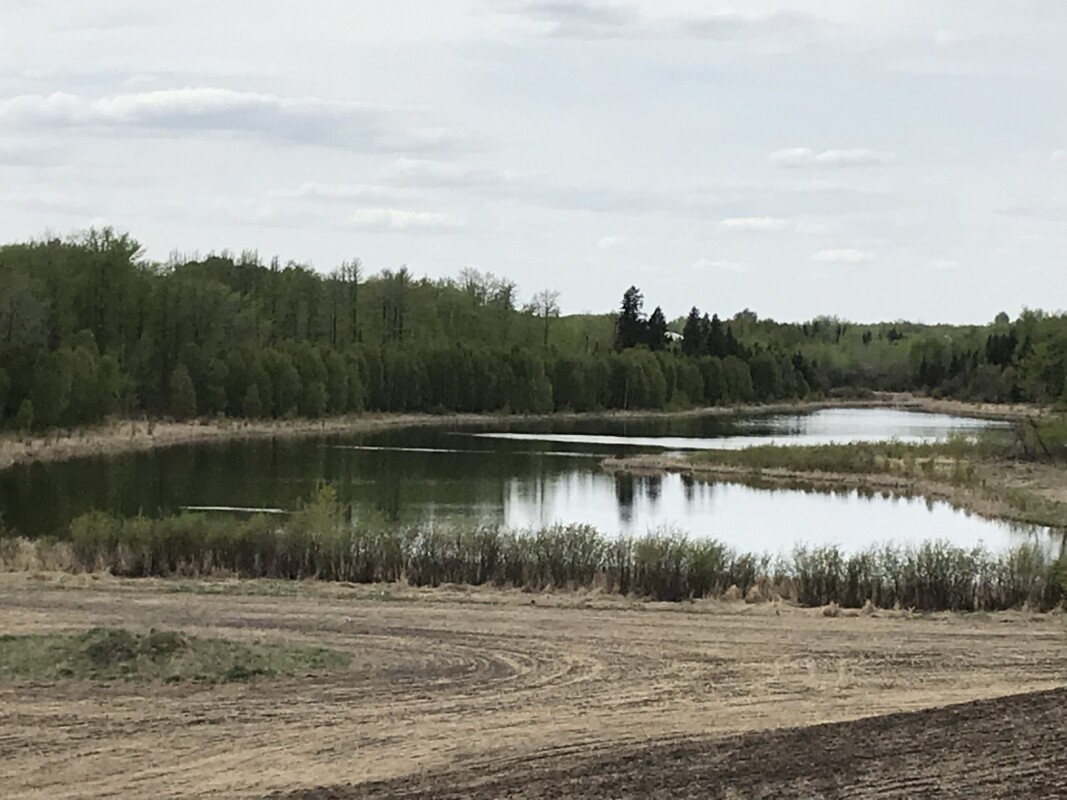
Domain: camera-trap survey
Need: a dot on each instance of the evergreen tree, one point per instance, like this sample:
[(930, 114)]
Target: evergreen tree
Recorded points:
[(656, 330), (630, 326), (733, 348), (716, 340), (693, 334)]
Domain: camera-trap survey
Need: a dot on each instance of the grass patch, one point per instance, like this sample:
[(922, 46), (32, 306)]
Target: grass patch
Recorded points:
[(108, 654)]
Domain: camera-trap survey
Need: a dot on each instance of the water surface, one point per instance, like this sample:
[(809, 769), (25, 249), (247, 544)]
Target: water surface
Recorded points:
[(524, 474)]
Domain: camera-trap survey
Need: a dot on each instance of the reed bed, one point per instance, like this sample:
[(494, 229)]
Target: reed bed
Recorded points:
[(319, 542), (910, 459)]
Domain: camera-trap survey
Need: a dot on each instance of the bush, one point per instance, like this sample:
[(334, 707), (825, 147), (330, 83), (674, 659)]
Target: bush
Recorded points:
[(663, 565)]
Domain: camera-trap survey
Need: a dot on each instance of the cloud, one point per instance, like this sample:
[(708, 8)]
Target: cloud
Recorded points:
[(1059, 155), (610, 242), (140, 79), (392, 219), (429, 173), (797, 157), (945, 265), (732, 267), (844, 255), (1036, 212), (726, 26), (28, 154), (575, 19), (811, 227), (50, 202), (946, 37), (754, 224), (524, 189), (341, 192), (304, 120)]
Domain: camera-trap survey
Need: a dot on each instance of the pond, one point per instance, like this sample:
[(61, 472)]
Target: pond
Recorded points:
[(521, 474)]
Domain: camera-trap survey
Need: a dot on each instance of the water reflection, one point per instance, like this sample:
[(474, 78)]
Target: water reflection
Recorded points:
[(752, 518), (821, 427), (441, 475)]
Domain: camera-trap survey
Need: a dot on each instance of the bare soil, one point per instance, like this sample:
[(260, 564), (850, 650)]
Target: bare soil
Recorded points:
[(123, 436), (459, 692), (1007, 747)]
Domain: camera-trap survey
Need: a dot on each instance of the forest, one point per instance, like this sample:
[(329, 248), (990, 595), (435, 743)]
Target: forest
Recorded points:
[(89, 328)]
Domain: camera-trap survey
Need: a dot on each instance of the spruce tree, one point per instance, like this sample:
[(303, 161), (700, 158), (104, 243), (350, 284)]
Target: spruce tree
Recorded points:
[(717, 338), (693, 334), (656, 330), (630, 328)]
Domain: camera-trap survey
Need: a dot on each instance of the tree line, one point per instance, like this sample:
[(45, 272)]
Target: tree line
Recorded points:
[(89, 328)]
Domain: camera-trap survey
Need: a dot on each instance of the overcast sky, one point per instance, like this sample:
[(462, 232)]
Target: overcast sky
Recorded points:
[(875, 160)]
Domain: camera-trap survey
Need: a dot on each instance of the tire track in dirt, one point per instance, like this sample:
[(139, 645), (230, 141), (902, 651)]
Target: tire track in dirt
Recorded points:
[(1014, 746), (484, 687)]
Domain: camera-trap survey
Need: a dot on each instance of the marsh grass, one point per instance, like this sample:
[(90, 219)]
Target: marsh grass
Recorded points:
[(317, 542), (953, 456), (107, 654)]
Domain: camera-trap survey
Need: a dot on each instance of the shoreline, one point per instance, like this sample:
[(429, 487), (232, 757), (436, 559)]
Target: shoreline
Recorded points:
[(1002, 490), (137, 435)]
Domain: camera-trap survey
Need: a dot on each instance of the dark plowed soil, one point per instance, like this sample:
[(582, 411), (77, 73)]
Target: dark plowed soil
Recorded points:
[(1009, 747)]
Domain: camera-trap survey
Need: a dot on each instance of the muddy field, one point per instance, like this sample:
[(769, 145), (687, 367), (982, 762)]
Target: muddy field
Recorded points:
[(481, 693)]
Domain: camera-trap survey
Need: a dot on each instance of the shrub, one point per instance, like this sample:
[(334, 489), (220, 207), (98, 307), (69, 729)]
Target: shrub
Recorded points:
[(318, 542)]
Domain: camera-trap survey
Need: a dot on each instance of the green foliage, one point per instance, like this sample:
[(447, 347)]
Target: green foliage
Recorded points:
[(252, 405), (182, 394), (51, 393), (88, 328), (5, 389), (932, 576), (109, 654), (24, 418)]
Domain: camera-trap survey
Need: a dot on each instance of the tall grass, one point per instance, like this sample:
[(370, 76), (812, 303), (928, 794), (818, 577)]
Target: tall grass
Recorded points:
[(933, 576), (317, 542)]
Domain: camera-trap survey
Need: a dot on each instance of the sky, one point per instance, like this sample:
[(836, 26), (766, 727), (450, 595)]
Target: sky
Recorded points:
[(875, 160)]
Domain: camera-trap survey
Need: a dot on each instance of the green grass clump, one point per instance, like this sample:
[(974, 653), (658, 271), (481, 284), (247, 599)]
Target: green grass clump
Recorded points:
[(107, 654)]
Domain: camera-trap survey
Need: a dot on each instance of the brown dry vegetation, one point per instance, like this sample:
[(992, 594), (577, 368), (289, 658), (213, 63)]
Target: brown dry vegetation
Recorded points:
[(492, 693), (123, 436)]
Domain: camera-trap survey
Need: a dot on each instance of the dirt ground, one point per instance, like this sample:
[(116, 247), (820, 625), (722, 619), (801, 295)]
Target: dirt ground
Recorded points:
[(483, 693), (1008, 747)]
